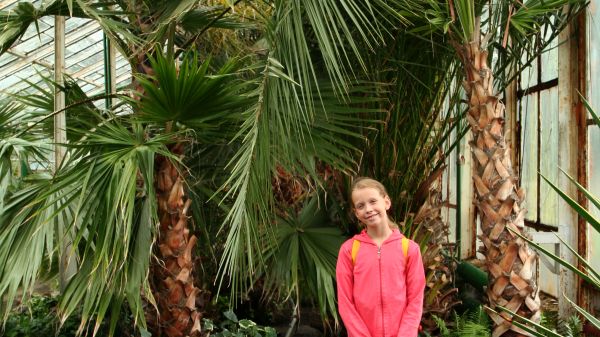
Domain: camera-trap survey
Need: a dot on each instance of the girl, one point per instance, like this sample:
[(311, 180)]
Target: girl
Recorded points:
[(380, 275)]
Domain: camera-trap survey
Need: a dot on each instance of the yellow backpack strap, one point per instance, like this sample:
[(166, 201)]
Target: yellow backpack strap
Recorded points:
[(405, 246), (355, 247)]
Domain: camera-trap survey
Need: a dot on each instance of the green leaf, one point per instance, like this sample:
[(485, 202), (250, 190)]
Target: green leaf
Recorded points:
[(595, 117), (465, 10), (193, 96), (591, 219), (230, 315), (527, 324), (564, 263), (246, 324), (595, 321)]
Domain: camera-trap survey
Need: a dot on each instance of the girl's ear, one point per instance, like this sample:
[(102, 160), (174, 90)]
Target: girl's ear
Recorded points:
[(388, 202)]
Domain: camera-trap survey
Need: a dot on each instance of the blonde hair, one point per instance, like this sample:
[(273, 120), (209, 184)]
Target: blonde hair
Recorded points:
[(366, 182)]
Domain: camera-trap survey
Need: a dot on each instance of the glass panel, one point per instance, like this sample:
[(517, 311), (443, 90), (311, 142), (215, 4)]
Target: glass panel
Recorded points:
[(594, 132), (529, 74), (449, 215), (452, 173), (529, 153), (550, 62), (594, 187), (547, 269), (549, 157)]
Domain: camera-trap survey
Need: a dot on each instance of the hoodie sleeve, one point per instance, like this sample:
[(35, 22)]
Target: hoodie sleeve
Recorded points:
[(415, 287), (354, 324)]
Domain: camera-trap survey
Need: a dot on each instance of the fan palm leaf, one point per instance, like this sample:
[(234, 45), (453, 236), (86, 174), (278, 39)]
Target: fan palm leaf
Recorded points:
[(302, 258), (114, 247)]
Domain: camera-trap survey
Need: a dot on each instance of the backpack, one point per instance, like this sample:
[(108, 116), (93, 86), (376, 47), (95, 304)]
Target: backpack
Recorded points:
[(356, 246)]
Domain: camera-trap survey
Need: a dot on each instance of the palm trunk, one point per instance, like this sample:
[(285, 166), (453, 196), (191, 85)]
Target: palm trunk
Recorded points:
[(172, 270), (173, 275), (509, 260)]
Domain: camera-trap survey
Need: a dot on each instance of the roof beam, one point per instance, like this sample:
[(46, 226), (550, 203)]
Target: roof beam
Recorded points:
[(50, 67), (76, 35)]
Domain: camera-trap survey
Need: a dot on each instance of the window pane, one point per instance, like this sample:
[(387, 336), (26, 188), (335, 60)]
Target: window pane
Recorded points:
[(594, 132), (529, 127), (549, 157), (550, 62), (449, 215), (529, 74), (594, 187)]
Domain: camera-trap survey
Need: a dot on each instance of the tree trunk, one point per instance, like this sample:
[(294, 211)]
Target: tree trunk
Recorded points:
[(172, 274), (509, 260)]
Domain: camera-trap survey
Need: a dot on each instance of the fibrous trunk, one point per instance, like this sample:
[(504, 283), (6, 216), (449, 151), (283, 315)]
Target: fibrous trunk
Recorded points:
[(173, 276), (509, 260)]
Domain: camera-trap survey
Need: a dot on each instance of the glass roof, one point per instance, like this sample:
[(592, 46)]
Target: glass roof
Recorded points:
[(33, 55)]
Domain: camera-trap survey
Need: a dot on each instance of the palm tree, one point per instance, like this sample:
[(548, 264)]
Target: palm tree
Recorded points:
[(472, 33), (126, 188), (424, 56), (475, 29)]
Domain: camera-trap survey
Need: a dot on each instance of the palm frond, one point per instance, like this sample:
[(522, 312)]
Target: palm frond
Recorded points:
[(17, 149), (14, 23), (272, 136), (80, 110), (465, 10), (267, 133), (588, 316), (194, 21), (104, 193), (192, 95), (301, 260)]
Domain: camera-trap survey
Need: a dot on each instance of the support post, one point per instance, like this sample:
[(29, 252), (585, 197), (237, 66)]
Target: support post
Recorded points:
[(67, 264), (109, 71)]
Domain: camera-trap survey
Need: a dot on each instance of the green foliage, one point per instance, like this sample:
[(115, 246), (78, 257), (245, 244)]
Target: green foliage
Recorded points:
[(470, 324), (301, 262), (573, 327), (566, 327), (193, 95), (232, 327), (39, 317), (113, 247)]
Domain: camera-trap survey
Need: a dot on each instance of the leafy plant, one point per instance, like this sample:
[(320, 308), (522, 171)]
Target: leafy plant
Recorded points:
[(302, 259), (470, 324), (569, 327), (232, 327), (39, 317)]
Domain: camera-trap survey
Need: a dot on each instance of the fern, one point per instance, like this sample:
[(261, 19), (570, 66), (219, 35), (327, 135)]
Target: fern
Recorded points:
[(572, 327), (469, 324), (441, 324)]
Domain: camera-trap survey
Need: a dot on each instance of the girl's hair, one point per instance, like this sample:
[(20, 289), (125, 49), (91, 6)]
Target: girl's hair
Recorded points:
[(366, 182)]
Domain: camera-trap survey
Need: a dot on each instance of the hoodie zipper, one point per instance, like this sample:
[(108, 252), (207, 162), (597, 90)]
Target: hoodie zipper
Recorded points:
[(381, 290)]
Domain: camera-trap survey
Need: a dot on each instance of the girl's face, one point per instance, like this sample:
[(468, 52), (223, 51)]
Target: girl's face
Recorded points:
[(370, 207)]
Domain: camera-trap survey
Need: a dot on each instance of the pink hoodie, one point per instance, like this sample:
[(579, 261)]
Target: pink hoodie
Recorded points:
[(382, 294)]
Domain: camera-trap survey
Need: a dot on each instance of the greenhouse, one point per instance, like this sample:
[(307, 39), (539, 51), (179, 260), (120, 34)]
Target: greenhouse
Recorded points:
[(299, 168)]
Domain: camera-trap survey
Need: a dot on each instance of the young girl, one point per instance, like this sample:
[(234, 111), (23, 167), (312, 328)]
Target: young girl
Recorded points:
[(380, 283)]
